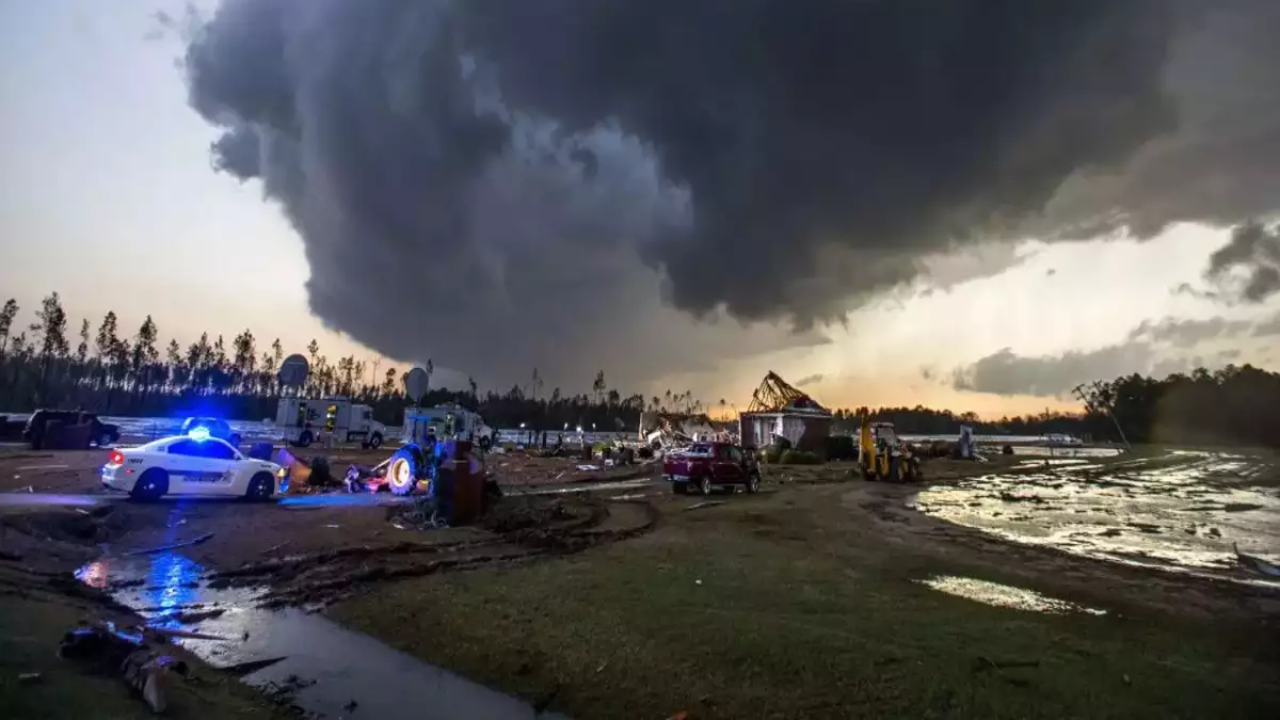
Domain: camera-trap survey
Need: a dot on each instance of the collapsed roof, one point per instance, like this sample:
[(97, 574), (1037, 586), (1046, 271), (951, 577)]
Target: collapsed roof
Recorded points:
[(776, 395)]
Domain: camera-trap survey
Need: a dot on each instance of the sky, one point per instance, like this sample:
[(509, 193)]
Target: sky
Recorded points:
[(111, 197)]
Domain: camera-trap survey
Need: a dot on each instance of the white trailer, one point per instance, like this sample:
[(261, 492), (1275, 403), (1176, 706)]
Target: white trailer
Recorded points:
[(305, 420)]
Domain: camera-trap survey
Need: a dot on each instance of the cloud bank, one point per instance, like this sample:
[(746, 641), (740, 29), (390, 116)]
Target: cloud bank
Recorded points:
[(646, 186)]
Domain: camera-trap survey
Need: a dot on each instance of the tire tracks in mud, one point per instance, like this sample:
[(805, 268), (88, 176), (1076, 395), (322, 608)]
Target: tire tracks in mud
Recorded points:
[(523, 529)]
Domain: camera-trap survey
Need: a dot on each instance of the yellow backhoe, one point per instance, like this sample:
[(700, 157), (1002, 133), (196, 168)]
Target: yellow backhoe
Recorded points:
[(883, 456)]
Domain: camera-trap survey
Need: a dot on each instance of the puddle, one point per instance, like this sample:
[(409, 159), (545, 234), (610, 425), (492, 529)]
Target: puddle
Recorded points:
[(1180, 511), (1004, 596), (167, 589)]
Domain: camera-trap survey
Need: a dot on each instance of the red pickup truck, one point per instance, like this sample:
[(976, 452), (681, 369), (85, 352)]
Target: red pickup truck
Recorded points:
[(707, 465)]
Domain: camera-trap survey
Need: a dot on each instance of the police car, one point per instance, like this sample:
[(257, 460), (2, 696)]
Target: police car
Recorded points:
[(191, 464)]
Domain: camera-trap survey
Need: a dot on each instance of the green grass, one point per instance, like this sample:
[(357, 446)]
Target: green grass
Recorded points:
[(30, 630), (764, 611)]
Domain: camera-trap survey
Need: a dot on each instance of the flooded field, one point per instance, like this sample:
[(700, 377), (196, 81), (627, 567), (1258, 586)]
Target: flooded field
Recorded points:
[(1181, 510)]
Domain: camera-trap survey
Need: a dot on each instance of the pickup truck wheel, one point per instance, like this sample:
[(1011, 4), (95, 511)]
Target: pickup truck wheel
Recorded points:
[(704, 485), (105, 439), (680, 488), (753, 483), (375, 441)]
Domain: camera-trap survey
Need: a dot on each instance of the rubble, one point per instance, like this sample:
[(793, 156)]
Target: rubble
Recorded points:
[(104, 648)]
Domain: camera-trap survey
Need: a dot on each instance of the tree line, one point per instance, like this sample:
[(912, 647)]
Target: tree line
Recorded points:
[(1236, 406), (112, 372), (109, 371)]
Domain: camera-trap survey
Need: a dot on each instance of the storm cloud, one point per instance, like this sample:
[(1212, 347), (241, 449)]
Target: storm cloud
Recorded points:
[(645, 186), (1157, 348), (1247, 268)]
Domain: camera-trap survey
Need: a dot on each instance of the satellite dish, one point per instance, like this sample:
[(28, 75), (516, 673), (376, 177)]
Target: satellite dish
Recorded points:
[(415, 384), (294, 371)]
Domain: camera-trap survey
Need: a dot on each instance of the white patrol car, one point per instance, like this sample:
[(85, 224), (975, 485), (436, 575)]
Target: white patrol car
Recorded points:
[(194, 464)]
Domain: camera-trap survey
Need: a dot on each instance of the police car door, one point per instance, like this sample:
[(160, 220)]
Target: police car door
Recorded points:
[(200, 466)]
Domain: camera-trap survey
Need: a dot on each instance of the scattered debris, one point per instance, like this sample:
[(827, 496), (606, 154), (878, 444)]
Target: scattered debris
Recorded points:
[(250, 667), (192, 618), (29, 678), (173, 546), (1256, 564), (276, 547), (282, 692), (108, 649), (185, 634), (704, 504)]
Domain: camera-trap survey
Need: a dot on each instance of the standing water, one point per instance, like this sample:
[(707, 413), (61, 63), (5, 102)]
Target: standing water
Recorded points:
[(346, 666)]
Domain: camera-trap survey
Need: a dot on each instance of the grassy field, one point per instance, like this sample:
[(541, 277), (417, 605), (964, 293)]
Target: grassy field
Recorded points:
[(798, 603)]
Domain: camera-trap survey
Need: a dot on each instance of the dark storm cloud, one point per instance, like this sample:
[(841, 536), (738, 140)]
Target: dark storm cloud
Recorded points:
[(564, 183), (1157, 348), (1252, 260), (1006, 373), (1186, 333), (809, 380)]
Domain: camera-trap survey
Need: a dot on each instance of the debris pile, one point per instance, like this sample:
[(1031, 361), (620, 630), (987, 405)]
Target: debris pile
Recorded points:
[(106, 649)]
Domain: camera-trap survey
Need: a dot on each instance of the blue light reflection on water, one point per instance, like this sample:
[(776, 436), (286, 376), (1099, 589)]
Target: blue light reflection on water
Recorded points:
[(171, 585)]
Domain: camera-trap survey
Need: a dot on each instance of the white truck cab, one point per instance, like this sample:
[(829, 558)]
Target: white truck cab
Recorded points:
[(305, 420), (446, 421)]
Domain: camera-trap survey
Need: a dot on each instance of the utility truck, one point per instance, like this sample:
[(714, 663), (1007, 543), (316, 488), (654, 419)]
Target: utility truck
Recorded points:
[(305, 420), (449, 420)]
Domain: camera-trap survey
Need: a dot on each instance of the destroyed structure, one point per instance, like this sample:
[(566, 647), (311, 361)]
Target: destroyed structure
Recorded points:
[(663, 429), (779, 411)]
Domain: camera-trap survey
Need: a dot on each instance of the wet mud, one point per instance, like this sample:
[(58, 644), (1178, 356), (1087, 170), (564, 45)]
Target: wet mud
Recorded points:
[(1180, 511), (516, 529)]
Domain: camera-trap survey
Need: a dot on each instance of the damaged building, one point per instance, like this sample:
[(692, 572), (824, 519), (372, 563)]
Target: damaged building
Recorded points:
[(666, 429), (780, 411)]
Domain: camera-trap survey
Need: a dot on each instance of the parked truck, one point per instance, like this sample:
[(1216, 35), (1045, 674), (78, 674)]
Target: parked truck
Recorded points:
[(704, 466), (447, 421), (306, 420)]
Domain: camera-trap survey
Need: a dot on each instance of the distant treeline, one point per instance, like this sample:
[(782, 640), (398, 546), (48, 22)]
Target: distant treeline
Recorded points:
[(133, 375), (1237, 405)]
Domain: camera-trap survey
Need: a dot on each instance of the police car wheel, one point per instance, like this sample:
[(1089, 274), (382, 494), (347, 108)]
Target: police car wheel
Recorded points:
[(260, 487), (153, 484)]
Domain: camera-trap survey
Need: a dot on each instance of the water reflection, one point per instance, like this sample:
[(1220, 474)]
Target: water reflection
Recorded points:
[(169, 582), (387, 683), (172, 580), (1004, 596)]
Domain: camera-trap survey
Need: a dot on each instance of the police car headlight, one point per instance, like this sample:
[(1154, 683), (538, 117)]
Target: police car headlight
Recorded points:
[(281, 473)]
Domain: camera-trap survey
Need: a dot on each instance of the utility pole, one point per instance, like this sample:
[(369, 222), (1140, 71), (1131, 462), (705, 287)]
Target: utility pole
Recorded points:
[(1091, 395)]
